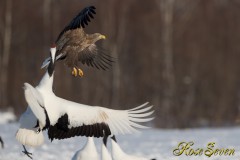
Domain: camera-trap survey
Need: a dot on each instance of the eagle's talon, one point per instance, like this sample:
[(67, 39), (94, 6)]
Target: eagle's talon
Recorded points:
[(80, 72), (74, 72)]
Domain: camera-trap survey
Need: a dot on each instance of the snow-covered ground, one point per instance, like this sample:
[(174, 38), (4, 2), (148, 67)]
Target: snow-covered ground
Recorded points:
[(152, 143), (7, 116)]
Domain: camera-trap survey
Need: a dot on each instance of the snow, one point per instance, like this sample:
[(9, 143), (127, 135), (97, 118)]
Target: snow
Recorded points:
[(152, 143), (7, 116)]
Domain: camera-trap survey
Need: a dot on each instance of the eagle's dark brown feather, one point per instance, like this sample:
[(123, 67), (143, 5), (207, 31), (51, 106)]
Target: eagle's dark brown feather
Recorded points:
[(95, 57), (77, 46), (74, 45), (80, 20)]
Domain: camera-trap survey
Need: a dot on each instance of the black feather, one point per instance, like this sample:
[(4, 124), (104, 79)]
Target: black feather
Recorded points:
[(79, 20), (90, 15), (105, 140), (114, 138), (87, 18), (96, 130), (85, 21), (82, 24), (92, 11)]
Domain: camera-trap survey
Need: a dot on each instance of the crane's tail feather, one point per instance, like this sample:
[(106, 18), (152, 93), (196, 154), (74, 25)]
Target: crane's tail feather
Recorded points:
[(29, 137)]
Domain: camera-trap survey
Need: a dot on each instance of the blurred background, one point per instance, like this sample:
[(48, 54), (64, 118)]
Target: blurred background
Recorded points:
[(180, 55)]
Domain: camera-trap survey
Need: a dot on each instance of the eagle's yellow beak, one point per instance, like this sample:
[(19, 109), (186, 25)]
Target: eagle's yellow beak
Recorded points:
[(103, 37)]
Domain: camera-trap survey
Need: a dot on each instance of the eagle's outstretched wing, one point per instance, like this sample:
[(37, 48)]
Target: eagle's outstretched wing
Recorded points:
[(95, 57), (80, 20)]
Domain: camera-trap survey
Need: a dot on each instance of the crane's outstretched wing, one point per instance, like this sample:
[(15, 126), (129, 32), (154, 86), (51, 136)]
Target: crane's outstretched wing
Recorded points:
[(80, 20), (83, 120), (69, 119)]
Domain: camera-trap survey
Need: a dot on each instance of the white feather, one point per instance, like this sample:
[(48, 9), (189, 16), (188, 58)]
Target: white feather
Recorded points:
[(35, 102), (119, 121), (141, 106), (140, 110)]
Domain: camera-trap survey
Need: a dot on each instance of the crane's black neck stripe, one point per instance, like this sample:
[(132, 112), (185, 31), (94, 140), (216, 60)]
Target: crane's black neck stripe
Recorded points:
[(105, 140), (51, 68), (37, 124), (47, 124), (47, 120), (114, 138)]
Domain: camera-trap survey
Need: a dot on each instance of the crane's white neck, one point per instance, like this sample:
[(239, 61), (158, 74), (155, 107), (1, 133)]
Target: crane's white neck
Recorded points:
[(105, 154), (90, 145), (117, 152), (47, 81)]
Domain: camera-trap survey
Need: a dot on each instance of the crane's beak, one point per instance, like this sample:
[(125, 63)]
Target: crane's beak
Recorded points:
[(53, 52)]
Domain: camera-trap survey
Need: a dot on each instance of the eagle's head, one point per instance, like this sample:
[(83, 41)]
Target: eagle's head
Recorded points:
[(97, 36)]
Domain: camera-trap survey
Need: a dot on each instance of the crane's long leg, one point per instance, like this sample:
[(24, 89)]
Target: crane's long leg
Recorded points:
[(1, 141), (26, 152)]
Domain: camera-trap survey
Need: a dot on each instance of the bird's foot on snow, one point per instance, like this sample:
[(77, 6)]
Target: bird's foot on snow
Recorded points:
[(80, 72), (26, 152), (74, 72)]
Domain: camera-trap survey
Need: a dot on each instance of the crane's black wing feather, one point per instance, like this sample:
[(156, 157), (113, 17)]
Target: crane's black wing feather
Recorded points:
[(80, 20)]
